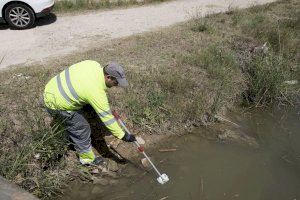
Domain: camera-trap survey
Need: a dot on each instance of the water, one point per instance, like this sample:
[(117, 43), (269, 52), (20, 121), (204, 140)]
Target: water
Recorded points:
[(202, 169)]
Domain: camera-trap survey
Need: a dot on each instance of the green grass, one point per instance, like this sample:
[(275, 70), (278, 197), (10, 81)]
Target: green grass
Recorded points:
[(279, 28), (267, 70), (266, 77), (25, 134), (222, 70)]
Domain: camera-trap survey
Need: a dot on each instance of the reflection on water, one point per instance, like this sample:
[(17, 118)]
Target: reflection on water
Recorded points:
[(201, 169)]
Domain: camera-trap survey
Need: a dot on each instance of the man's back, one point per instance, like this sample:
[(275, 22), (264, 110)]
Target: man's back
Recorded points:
[(75, 86)]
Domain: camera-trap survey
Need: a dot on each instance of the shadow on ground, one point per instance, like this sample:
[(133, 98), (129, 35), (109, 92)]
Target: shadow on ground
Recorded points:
[(43, 21), (98, 132)]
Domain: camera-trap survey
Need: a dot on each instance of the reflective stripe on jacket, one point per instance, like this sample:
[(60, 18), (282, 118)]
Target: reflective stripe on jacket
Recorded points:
[(82, 83)]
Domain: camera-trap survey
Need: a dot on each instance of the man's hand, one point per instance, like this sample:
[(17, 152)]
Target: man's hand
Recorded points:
[(128, 137)]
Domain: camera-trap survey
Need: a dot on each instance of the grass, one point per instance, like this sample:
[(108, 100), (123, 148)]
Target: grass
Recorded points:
[(266, 79), (277, 28), (31, 148), (62, 6), (268, 68), (222, 70), (180, 76)]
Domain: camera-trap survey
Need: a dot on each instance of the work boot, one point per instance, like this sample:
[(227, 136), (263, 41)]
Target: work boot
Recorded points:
[(98, 161), (89, 158)]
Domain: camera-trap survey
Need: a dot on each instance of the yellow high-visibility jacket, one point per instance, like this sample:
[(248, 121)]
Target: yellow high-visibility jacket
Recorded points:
[(82, 83)]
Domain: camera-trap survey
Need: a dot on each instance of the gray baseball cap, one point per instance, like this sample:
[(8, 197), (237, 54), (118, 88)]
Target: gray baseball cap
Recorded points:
[(116, 70)]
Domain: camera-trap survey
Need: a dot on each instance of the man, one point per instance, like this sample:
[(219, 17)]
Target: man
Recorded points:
[(85, 83)]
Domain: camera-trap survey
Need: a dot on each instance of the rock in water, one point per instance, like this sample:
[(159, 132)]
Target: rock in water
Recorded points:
[(112, 166), (238, 137)]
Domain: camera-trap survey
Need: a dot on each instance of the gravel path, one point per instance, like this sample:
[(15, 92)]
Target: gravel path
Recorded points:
[(85, 31)]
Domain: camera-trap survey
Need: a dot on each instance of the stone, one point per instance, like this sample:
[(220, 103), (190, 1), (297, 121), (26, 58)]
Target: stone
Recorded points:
[(11, 191), (112, 166)]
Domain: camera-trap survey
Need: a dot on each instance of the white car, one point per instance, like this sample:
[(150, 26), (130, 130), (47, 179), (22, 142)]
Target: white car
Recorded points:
[(21, 14)]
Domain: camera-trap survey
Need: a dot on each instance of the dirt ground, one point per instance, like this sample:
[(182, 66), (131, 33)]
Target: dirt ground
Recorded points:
[(56, 36)]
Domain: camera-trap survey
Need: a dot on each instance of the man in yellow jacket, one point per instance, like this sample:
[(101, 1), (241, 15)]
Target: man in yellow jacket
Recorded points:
[(85, 83)]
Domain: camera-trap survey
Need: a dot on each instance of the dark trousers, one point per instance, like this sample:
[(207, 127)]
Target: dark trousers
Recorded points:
[(77, 127)]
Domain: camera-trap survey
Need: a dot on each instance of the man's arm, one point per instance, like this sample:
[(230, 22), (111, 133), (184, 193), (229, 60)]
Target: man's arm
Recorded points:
[(99, 102)]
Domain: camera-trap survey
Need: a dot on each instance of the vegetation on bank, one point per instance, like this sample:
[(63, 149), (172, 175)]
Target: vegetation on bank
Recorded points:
[(179, 77), (63, 6)]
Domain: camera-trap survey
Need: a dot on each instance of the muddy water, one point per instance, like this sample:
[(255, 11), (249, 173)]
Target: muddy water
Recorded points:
[(202, 169)]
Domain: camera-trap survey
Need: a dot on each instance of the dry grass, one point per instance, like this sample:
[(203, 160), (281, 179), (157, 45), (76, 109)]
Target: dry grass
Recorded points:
[(64, 6)]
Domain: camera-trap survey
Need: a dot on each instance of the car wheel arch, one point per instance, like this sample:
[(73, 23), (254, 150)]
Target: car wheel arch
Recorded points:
[(15, 2)]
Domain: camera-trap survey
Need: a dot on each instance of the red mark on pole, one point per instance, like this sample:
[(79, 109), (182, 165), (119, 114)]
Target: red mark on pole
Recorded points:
[(141, 149), (116, 115)]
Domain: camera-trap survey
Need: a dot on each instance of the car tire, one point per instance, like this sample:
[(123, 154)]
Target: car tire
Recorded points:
[(19, 16)]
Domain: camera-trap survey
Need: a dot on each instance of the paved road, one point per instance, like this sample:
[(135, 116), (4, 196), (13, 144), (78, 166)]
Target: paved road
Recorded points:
[(54, 38)]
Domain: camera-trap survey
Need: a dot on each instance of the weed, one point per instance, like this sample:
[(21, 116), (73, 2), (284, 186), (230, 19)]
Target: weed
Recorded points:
[(265, 79)]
